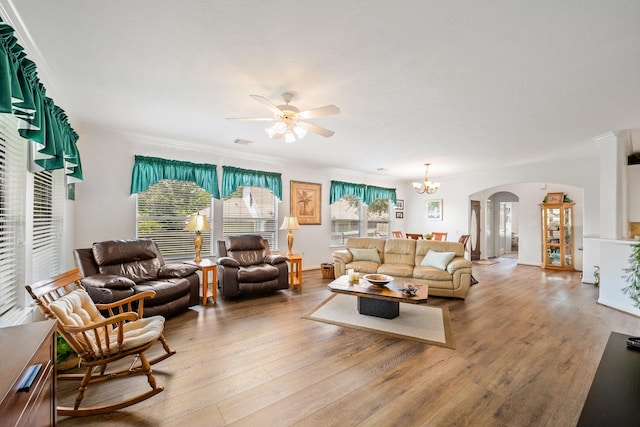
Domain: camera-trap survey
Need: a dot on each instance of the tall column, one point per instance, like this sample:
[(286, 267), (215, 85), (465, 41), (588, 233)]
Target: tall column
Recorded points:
[(612, 184)]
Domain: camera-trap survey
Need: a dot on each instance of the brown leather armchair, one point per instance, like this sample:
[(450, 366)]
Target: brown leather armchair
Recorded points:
[(116, 269), (246, 266)]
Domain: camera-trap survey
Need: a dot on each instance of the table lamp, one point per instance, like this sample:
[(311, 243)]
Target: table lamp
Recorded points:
[(198, 223), (290, 223)]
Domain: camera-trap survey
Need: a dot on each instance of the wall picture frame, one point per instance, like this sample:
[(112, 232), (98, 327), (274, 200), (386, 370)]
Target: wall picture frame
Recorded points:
[(399, 205), (555, 197), (400, 215), (306, 202), (434, 210)]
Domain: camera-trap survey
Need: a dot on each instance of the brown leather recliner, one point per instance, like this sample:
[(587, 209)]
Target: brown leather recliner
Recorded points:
[(116, 269), (246, 266)]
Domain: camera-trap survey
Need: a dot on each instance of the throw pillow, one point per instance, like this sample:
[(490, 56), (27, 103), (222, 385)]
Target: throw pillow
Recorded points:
[(169, 271), (110, 281), (437, 259), (365, 254)]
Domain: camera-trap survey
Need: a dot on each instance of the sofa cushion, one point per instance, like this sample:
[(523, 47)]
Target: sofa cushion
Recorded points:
[(257, 273), (168, 271), (110, 281), (438, 260), (396, 270), (365, 254), (137, 259), (399, 251), (364, 267), (166, 290), (433, 274)]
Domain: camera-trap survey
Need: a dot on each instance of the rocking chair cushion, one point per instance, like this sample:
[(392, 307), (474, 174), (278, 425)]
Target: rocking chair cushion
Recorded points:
[(77, 309)]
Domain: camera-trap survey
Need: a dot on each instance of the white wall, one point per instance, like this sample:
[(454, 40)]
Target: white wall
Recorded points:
[(105, 210), (576, 177)]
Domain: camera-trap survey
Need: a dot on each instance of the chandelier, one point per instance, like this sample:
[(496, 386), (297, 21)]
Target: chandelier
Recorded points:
[(426, 186)]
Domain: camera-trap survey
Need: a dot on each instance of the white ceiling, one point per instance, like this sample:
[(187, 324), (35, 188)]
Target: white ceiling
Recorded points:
[(463, 84)]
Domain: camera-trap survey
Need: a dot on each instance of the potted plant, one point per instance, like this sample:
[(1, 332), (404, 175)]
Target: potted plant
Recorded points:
[(66, 358), (633, 276)]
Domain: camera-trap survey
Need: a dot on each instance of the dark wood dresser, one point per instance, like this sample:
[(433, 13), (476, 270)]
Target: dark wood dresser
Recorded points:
[(614, 397), (28, 380)]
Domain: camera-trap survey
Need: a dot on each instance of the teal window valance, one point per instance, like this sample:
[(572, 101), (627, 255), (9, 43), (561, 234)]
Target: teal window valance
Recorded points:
[(150, 170), (339, 189), (232, 178), (41, 121), (373, 193), (367, 193)]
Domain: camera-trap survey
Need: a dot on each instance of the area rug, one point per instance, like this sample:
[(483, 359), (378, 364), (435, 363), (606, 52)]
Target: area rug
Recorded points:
[(486, 261), (421, 323)]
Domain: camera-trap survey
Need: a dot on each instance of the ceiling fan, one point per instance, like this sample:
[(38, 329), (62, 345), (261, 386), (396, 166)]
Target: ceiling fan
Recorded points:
[(290, 122)]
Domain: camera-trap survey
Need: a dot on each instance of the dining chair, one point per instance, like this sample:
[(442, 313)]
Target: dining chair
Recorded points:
[(439, 236), (397, 234)]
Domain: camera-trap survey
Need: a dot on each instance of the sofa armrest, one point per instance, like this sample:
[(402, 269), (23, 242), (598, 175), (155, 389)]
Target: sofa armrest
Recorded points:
[(343, 256), (457, 263), (110, 281), (176, 270), (275, 259), (227, 261)]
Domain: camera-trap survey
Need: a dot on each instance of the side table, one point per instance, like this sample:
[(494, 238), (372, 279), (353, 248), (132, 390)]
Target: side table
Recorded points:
[(206, 266), (295, 271)]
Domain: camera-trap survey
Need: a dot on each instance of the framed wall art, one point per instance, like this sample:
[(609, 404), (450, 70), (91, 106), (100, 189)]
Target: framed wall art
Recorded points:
[(555, 197), (400, 215), (306, 198), (434, 210), (399, 205)]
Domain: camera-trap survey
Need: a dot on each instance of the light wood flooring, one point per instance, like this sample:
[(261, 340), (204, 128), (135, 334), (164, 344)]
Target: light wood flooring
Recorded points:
[(527, 345)]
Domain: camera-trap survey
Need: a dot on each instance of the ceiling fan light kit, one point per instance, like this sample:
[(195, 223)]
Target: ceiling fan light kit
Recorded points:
[(289, 121), (426, 186)]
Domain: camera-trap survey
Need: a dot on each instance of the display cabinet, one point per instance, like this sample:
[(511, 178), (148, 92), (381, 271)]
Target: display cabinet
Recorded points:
[(557, 235)]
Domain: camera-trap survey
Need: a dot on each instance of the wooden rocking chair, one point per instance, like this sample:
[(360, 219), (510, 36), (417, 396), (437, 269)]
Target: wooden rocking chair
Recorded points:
[(100, 340)]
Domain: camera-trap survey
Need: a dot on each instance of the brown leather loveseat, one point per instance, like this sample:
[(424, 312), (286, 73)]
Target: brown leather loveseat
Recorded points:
[(246, 266), (116, 269)]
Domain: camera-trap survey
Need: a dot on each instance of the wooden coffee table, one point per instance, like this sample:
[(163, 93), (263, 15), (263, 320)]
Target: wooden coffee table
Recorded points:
[(379, 301)]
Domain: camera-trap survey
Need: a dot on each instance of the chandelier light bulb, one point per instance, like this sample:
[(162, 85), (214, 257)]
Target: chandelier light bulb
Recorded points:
[(280, 127)]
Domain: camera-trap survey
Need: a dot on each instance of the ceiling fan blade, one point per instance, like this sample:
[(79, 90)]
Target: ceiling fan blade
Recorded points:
[(318, 112), (315, 129), (270, 105), (252, 119)]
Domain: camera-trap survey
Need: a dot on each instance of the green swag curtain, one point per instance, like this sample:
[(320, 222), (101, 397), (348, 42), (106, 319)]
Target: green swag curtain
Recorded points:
[(367, 193), (41, 121), (150, 170), (339, 189), (232, 178), (373, 193)]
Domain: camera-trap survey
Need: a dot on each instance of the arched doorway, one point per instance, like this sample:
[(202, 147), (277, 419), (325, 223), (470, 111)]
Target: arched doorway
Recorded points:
[(503, 237)]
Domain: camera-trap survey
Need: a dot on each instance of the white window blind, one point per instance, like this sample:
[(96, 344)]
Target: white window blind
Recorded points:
[(378, 219), (251, 210), (346, 215), (13, 161), (48, 199), (163, 211)]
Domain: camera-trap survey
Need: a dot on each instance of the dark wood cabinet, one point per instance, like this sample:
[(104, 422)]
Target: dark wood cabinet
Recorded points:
[(28, 380)]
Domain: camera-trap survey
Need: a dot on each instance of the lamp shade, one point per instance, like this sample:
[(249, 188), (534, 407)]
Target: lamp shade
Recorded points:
[(290, 223), (197, 223)]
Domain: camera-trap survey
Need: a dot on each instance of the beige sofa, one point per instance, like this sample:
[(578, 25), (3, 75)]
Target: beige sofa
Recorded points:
[(448, 273)]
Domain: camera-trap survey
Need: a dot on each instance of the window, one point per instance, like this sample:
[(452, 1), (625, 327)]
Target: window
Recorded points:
[(251, 210), (13, 183), (163, 211), (378, 219), (48, 197), (346, 217)]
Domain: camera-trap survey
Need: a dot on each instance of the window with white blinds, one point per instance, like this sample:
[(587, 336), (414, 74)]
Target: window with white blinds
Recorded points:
[(163, 211), (251, 210), (13, 182), (48, 199), (346, 217)]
